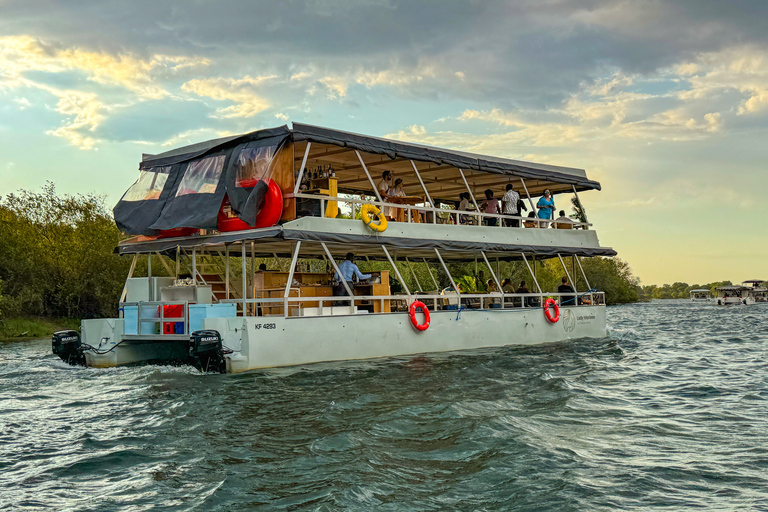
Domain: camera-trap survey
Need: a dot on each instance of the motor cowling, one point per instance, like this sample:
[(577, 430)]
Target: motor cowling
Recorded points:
[(68, 346), (206, 351)]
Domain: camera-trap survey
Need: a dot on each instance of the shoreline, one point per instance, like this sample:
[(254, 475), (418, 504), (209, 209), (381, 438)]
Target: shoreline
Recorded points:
[(23, 328)]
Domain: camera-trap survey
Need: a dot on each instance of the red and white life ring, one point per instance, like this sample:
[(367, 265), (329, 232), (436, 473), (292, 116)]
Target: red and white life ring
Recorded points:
[(547, 304), (412, 313)]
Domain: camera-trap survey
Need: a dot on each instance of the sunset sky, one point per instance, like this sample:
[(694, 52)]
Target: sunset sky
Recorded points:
[(665, 102)]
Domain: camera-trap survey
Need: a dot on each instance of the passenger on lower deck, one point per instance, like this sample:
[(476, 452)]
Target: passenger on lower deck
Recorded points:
[(566, 300), (349, 271)]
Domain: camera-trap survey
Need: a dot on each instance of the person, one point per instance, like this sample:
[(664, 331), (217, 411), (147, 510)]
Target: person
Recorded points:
[(509, 205), (562, 222), (491, 287), (507, 286), (566, 300), (546, 206), (384, 191), (490, 205), (529, 301), (397, 191), (349, 271), (464, 203), (262, 267), (531, 223)]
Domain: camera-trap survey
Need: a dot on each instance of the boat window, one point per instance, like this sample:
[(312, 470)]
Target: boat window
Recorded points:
[(202, 176), (252, 164), (149, 185)]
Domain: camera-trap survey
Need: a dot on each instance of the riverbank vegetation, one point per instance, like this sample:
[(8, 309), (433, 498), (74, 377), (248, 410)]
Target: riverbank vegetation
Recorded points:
[(679, 290), (58, 261)]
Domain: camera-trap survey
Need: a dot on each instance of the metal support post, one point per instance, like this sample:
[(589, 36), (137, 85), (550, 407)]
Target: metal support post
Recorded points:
[(445, 267), (245, 276), (413, 273), (567, 274), (528, 195), (178, 262), (397, 272), (130, 275), (226, 268), (535, 281), (582, 272), (164, 263), (365, 168), (493, 274), (287, 292), (194, 266), (338, 272), (422, 184), (429, 270), (301, 169)]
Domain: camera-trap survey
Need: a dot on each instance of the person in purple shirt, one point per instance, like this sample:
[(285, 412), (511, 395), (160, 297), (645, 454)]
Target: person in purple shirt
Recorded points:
[(490, 205)]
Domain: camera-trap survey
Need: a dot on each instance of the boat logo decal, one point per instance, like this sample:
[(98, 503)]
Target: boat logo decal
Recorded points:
[(569, 321)]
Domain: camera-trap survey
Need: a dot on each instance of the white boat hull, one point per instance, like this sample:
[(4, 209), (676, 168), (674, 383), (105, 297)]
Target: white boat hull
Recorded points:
[(265, 342)]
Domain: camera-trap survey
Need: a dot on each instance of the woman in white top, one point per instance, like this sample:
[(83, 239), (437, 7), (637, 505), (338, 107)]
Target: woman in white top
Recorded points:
[(397, 191), (384, 192)]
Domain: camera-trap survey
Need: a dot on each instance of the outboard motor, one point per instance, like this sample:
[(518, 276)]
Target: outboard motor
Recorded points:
[(206, 351), (67, 345)]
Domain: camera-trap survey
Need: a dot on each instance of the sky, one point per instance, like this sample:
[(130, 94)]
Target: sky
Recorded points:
[(664, 102)]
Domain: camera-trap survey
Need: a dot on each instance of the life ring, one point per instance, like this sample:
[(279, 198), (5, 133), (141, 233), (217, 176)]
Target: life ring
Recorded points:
[(551, 302), (270, 212), (367, 214), (412, 313)]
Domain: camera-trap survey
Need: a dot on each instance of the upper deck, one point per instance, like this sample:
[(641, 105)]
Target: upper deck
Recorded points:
[(325, 176)]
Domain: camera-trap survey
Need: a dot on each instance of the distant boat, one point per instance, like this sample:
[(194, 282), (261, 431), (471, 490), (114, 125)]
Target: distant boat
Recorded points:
[(701, 295), (741, 294)]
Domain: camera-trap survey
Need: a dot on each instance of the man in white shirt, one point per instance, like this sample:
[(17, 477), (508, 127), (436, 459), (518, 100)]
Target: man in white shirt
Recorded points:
[(384, 189), (509, 202)]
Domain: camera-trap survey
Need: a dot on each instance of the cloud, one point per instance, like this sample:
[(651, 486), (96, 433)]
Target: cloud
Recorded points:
[(336, 86), (239, 90)]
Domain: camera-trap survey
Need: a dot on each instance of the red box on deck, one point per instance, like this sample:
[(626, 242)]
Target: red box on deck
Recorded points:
[(173, 311)]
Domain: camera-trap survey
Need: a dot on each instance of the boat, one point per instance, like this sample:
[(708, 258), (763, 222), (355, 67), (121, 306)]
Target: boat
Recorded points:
[(756, 291), (303, 197), (748, 293), (701, 295)]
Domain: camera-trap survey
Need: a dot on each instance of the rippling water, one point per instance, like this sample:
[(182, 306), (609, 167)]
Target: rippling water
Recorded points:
[(669, 412)]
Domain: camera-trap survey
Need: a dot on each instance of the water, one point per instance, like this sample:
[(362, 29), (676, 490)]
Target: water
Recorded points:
[(667, 412)]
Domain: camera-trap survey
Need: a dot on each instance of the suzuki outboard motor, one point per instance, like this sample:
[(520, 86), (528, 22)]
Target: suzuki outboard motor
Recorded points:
[(66, 345), (206, 351)]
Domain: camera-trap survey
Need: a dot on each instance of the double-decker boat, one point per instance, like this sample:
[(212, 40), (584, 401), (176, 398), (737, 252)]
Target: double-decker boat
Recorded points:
[(304, 197), (742, 294)]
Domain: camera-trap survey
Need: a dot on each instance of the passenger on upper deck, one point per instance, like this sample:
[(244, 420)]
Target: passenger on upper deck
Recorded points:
[(384, 191), (464, 207), (511, 204), (562, 222), (491, 287), (490, 205), (397, 191), (546, 206), (531, 223)]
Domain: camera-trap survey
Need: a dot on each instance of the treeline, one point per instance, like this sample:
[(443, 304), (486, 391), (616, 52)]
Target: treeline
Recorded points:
[(678, 290), (56, 256), (57, 260)]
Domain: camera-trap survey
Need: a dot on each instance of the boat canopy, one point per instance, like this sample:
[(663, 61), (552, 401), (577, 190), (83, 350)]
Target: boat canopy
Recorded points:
[(701, 290), (280, 240), (754, 281), (185, 187), (732, 288)]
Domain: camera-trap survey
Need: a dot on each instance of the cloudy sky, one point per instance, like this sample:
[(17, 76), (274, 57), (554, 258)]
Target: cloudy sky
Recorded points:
[(665, 102)]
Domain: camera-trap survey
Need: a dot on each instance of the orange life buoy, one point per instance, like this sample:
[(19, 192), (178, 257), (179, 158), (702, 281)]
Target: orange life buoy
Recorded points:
[(270, 213), (547, 304), (412, 313)]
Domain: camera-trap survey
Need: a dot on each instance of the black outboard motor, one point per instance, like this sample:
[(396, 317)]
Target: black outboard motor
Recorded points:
[(206, 351), (67, 345)]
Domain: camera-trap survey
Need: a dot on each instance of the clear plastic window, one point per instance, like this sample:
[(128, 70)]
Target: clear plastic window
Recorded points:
[(149, 185), (202, 176), (253, 164)]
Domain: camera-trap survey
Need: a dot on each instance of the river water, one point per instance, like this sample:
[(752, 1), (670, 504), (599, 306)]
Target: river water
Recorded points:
[(670, 411)]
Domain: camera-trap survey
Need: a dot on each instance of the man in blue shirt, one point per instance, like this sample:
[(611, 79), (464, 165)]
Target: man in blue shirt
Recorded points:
[(348, 271)]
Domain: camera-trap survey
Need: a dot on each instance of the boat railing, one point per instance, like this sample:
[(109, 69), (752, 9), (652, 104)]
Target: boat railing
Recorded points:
[(438, 215), (153, 312), (436, 302)]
